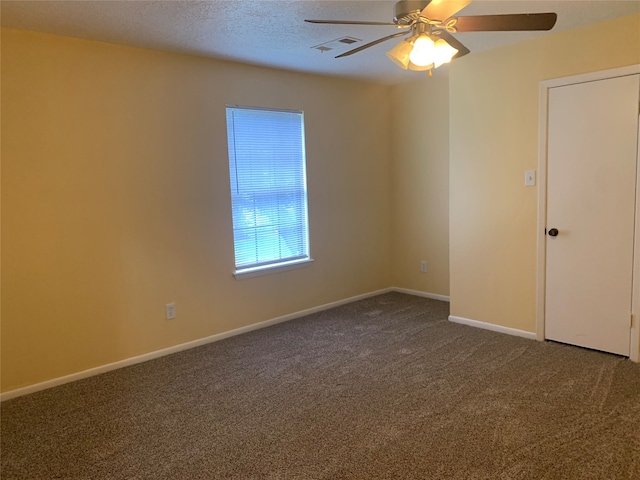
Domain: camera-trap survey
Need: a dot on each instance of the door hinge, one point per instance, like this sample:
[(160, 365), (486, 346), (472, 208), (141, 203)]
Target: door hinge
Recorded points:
[(631, 320)]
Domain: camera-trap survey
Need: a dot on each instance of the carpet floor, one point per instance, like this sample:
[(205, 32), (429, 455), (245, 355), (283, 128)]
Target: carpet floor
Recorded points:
[(382, 388)]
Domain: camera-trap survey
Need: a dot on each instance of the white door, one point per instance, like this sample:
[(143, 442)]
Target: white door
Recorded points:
[(591, 189)]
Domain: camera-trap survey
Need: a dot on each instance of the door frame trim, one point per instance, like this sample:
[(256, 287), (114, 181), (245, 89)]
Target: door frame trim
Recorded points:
[(544, 88)]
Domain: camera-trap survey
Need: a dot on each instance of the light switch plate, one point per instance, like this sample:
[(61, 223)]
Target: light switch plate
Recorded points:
[(530, 178)]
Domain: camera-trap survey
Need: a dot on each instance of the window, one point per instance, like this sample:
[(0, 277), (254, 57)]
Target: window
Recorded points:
[(268, 188)]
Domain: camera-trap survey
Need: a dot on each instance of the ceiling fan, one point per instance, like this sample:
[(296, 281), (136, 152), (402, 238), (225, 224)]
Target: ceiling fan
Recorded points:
[(428, 25)]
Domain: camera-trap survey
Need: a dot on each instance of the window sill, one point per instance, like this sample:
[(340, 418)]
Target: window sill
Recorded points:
[(271, 269)]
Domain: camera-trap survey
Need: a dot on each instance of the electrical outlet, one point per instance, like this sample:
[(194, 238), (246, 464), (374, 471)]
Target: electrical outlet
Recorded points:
[(170, 309), (423, 266)]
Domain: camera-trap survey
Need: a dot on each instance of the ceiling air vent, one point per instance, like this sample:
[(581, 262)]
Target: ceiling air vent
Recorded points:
[(337, 44)]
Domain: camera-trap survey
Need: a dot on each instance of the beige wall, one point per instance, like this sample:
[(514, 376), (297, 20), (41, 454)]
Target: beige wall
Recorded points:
[(494, 139), (116, 201), (420, 185)]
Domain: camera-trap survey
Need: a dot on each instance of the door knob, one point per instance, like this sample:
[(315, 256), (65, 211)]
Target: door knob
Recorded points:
[(553, 232)]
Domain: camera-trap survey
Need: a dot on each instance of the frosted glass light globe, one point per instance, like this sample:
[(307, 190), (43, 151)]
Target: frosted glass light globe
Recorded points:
[(423, 51)]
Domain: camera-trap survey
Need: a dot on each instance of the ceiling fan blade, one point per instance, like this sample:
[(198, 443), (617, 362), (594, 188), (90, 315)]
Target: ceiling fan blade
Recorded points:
[(354, 22), (371, 44), (453, 41), (505, 23), (443, 9)]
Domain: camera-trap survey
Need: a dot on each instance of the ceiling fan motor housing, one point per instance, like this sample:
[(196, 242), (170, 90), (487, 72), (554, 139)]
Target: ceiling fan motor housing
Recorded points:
[(408, 11)]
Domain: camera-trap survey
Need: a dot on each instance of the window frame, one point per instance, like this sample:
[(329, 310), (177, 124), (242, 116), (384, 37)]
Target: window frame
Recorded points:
[(281, 265)]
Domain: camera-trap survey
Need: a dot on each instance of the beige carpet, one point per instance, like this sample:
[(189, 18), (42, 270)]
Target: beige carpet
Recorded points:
[(384, 388)]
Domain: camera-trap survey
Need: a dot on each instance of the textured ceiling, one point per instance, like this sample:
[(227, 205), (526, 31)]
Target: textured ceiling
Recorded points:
[(273, 33)]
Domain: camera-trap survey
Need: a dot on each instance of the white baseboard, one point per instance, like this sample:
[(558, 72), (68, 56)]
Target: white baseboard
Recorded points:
[(493, 327), (18, 392), (417, 293)]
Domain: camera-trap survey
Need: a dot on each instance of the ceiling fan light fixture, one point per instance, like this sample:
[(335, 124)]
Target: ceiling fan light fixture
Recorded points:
[(427, 52), (443, 52), (400, 53), (423, 51), (418, 68)]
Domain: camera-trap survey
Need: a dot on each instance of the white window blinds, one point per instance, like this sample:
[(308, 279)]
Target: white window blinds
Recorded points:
[(268, 186)]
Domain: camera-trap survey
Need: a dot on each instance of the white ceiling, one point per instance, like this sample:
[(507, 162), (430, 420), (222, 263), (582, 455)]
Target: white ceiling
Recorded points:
[(273, 33)]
